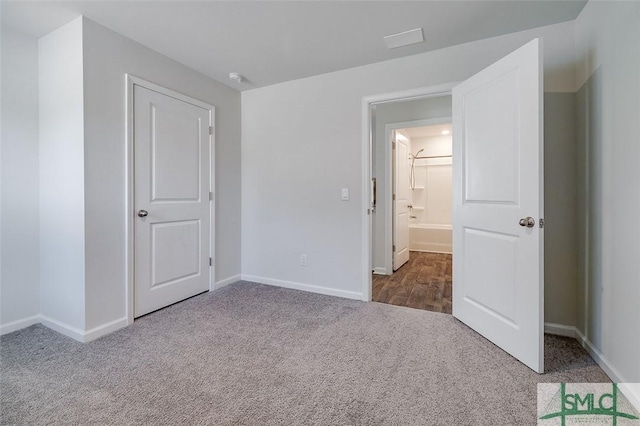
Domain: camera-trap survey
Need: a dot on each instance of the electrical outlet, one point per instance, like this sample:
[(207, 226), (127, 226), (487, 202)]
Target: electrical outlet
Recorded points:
[(303, 260)]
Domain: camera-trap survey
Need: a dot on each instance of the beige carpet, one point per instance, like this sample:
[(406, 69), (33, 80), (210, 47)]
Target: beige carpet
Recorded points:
[(253, 354)]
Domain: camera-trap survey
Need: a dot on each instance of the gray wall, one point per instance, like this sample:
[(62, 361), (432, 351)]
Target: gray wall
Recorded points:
[(560, 209), (107, 57), (80, 213), (302, 142), (20, 252), (608, 129)]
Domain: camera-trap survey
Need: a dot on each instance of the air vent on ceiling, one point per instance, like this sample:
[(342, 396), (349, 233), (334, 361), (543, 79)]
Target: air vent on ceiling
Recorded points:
[(404, 38)]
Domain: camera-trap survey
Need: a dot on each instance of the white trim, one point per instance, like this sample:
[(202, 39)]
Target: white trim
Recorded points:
[(560, 329), (12, 326), (630, 390), (130, 82), (367, 101), (128, 209), (304, 287), (212, 200), (225, 282), (432, 248), (62, 328), (367, 202), (78, 334), (598, 357), (380, 271), (104, 329)]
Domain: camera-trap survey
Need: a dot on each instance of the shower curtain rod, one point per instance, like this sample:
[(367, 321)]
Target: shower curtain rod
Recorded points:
[(432, 156)]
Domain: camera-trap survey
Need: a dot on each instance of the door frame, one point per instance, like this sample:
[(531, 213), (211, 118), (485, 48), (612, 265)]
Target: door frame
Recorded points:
[(367, 150), (388, 159), (130, 82)]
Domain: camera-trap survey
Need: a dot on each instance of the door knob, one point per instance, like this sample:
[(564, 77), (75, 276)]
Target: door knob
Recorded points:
[(528, 221), (142, 213)]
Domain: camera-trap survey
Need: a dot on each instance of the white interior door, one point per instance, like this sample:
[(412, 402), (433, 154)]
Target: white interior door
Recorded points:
[(401, 202), (498, 180), (172, 216)]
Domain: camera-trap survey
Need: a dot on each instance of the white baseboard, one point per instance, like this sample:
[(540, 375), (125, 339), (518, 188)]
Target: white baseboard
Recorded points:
[(80, 335), (560, 329), (19, 324), (599, 357), (105, 329), (431, 247), (380, 271), (62, 328), (630, 390), (226, 282), (304, 287)]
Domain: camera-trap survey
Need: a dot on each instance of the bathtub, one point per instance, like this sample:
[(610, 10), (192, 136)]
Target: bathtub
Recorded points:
[(430, 237)]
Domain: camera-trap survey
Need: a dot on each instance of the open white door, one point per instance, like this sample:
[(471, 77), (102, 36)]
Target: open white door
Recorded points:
[(401, 201), (498, 204)]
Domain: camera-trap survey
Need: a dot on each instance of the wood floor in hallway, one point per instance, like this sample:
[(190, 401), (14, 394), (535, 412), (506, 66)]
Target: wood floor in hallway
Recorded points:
[(424, 282)]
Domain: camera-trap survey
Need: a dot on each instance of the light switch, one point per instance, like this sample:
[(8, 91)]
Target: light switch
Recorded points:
[(345, 194)]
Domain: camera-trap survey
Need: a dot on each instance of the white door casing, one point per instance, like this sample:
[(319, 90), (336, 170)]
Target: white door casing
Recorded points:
[(171, 144), (401, 203), (498, 279)]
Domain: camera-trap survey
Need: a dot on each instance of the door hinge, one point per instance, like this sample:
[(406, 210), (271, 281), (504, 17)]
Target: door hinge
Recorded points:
[(210, 262), (393, 248), (211, 130), (210, 196), (393, 197), (541, 222), (368, 211), (393, 145)]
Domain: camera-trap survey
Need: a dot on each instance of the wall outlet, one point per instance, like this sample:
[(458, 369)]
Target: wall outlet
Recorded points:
[(303, 260)]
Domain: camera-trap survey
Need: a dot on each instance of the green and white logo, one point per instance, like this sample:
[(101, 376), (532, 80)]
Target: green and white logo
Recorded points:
[(584, 403)]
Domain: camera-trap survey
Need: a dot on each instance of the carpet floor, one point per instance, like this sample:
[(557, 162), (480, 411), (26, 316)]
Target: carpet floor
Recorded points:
[(255, 354)]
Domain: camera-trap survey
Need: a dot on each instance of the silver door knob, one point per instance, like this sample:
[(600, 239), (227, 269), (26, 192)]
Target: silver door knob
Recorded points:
[(528, 221), (142, 213)]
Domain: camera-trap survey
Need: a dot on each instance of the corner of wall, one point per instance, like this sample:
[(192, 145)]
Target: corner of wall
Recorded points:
[(61, 150)]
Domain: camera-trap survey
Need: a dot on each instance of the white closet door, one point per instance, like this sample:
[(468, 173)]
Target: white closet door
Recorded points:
[(171, 148)]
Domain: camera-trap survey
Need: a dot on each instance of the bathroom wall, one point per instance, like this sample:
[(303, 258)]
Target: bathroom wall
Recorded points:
[(431, 197)]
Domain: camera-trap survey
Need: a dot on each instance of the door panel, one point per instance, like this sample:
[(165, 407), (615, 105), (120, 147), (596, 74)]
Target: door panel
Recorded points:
[(171, 149), (175, 251), (497, 167), (497, 99), (175, 169), (401, 204)]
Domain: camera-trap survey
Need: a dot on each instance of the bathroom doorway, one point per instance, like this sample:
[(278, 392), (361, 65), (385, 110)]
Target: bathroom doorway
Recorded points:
[(412, 222)]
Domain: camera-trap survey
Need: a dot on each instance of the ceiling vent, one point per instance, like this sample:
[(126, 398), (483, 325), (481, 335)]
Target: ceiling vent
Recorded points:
[(404, 39)]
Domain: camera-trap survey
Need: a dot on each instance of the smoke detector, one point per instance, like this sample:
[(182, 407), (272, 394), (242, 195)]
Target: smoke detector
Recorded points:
[(237, 77)]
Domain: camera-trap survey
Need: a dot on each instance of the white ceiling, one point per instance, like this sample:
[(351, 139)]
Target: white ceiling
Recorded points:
[(274, 41), (427, 131)]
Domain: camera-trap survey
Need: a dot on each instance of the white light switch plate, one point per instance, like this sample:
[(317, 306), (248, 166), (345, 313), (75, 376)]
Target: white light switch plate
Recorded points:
[(345, 194)]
